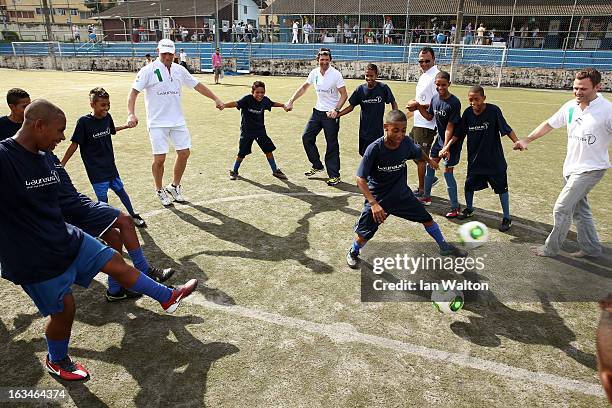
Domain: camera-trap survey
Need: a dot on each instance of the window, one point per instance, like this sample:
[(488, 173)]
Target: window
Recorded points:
[(39, 11), (74, 12), (60, 12), (246, 11), (20, 14), (85, 15)]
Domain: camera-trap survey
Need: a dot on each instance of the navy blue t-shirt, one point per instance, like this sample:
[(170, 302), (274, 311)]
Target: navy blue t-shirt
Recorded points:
[(252, 113), (372, 102), (93, 136), (385, 169), (483, 132), (35, 242), (8, 128), (445, 111)]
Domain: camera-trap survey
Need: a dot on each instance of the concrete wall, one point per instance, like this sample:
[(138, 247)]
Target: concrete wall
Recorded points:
[(468, 75), (90, 64)]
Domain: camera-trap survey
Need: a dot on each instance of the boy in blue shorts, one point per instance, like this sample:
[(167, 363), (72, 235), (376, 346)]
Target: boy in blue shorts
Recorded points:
[(483, 124), (252, 127), (93, 133), (445, 108), (42, 253), (381, 177), (371, 97)]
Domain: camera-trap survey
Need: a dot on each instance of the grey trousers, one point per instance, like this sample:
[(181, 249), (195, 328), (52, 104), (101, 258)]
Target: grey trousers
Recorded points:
[(572, 204)]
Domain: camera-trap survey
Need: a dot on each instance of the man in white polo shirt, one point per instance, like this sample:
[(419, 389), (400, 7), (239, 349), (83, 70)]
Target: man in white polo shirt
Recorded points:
[(424, 131), (331, 95), (162, 81), (588, 119)]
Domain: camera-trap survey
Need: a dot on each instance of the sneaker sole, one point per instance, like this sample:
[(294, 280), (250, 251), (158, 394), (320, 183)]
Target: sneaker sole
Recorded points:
[(165, 278)]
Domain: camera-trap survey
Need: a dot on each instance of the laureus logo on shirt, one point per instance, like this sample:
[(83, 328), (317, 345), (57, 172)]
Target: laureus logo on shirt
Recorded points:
[(104, 133), (391, 169), (53, 178), (440, 112), (255, 111), (378, 99), (478, 128)]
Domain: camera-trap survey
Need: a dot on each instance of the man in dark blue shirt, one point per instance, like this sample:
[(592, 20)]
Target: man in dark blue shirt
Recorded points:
[(372, 97), (253, 128), (484, 124), (445, 109), (42, 253), (381, 177), (17, 100)]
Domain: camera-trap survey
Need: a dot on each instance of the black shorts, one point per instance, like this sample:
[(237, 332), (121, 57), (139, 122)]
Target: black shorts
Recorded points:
[(94, 219), (246, 142), (408, 208), (498, 182), (455, 152)]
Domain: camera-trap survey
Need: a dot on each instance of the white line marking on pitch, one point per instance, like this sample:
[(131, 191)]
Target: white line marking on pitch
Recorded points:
[(344, 333), (330, 194)]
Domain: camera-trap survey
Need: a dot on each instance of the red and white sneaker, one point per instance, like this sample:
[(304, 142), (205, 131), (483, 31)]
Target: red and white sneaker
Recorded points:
[(453, 213), (179, 294), (425, 200), (66, 369)]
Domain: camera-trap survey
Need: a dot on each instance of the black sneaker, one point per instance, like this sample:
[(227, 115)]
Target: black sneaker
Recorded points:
[(313, 171), (352, 259), (279, 174), (505, 225), (452, 250), (123, 294), (233, 175), (466, 213), (160, 275), (138, 221)]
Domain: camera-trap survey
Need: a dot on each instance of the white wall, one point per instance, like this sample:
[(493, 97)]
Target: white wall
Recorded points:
[(252, 11)]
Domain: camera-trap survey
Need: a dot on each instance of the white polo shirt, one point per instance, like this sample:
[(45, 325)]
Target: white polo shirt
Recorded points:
[(589, 134), (162, 90), (425, 91), (326, 87)]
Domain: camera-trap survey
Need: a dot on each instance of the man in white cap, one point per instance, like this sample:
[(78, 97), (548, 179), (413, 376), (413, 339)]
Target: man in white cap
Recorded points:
[(162, 81)]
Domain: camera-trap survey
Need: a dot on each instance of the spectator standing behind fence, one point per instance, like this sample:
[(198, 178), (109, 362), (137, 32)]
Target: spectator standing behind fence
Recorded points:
[(307, 32), (217, 64), (225, 30), (535, 34), (480, 33), (183, 59), (348, 35), (524, 33), (388, 30), (295, 29), (76, 36), (469, 34), (142, 34)]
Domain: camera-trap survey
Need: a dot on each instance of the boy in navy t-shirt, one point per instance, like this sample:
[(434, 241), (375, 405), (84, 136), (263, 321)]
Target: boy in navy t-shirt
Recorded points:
[(42, 253), (253, 128), (445, 108), (381, 177), (17, 100), (93, 134), (483, 124), (372, 97)]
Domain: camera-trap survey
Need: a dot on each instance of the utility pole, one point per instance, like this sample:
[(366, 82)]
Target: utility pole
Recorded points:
[(46, 12), (458, 39)]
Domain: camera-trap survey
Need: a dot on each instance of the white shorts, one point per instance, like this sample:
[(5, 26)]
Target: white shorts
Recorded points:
[(161, 135)]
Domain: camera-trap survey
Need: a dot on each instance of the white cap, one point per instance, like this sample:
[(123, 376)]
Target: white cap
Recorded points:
[(166, 46)]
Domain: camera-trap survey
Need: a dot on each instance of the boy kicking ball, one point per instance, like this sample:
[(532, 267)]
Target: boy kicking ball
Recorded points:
[(381, 177), (253, 128), (483, 124)]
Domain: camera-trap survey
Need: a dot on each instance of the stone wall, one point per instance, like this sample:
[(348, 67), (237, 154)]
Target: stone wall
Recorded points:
[(87, 63), (467, 75)]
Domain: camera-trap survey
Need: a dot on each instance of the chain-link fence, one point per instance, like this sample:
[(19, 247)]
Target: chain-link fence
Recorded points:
[(560, 25)]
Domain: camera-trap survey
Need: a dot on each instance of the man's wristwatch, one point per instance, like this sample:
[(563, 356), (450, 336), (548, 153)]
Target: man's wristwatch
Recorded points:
[(337, 110)]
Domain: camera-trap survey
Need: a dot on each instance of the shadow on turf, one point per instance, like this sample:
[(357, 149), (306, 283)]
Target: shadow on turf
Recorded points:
[(534, 233), (185, 269), (260, 244), (158, 351), (494, 319)]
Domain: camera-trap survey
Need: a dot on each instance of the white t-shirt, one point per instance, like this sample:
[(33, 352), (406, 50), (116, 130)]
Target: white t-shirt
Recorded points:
[(295, 28), (183, 56), (425, 91), (326, 87), (163, 92), (589, 134)]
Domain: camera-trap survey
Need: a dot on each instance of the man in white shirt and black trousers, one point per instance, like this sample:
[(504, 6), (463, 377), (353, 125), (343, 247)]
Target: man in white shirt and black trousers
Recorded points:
[(331, 95), (588, 119)]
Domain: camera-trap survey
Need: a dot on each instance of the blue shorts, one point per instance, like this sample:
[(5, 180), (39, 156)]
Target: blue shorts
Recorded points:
[(102, 188), (408, 208), (455, 152), (48, 296), (476, 182), (246, 143), (94, 219)]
